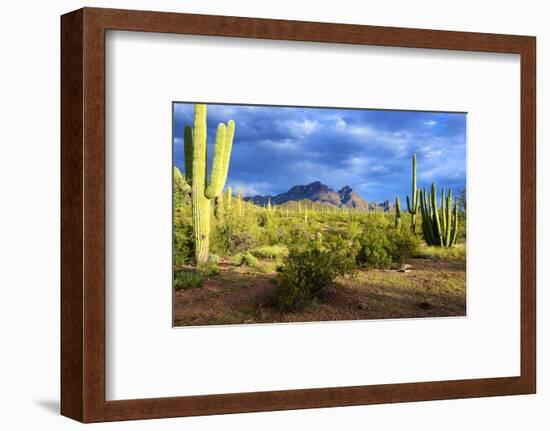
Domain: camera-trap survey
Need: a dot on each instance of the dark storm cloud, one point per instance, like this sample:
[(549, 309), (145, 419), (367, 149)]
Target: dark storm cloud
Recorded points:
[(369, 150)]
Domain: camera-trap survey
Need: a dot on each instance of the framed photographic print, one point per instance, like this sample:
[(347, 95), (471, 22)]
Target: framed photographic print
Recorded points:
[(267, 215)]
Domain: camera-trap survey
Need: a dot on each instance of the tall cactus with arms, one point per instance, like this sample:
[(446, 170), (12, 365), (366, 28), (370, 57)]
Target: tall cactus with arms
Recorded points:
[(412, 202), (202, 192)]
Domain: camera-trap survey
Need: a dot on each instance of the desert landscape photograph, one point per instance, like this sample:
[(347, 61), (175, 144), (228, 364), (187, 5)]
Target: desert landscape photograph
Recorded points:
[(305, 214)]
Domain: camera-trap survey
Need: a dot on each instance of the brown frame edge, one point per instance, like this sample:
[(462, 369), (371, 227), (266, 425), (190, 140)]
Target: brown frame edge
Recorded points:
[(83, 215)]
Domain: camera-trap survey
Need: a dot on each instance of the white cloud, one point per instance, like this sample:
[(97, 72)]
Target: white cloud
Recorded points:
[(300, 128), (430, 123)]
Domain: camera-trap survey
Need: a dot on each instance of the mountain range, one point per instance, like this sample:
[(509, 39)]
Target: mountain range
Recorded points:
[(315, 192)]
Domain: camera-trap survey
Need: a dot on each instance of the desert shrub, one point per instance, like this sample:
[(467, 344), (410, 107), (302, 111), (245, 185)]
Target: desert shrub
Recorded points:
[(375, 248), (183, 246), (240, 241), (245, 259), (402, 244), (187, 280), (308, 271), (270, 251), (208, 269)]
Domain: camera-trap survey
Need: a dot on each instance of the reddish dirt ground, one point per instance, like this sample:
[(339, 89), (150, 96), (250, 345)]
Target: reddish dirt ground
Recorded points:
[(246, 295)]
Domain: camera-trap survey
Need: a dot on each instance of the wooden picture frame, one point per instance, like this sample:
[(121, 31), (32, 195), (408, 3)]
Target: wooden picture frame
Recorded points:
[(83, 214)]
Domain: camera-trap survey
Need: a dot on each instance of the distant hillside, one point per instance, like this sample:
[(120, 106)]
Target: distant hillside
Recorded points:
[(315, 192)]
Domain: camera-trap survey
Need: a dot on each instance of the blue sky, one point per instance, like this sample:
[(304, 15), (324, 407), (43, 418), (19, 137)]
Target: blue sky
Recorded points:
[(369, 150)]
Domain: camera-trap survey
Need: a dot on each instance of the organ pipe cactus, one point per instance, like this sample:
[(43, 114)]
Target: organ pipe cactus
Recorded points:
[(203, 191), (439, 225), (397, 213), (412, 202)]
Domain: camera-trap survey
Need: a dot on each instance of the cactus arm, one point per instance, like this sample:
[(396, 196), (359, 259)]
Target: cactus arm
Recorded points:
[(436, 223), (179, 181), (427, 215), (230, 133), (454, 234), (449, 217), (214, 186), (414, 189), (188, 152), (412, 202)]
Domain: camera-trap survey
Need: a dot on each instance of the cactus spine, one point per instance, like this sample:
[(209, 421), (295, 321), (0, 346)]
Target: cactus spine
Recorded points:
[(397, 213), (412, 202), (439, 225), (202, 191)]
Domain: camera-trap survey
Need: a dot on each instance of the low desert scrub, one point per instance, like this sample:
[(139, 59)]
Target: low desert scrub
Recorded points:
[(458, 252), (246, 259), (208, 269), (187, 280), (271, 252)]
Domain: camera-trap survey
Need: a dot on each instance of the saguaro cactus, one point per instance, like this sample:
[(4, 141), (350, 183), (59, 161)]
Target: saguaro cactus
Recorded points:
[(239, 203), (228, 197), (397, 213), (439, 225), (412, 202), (195, 164)]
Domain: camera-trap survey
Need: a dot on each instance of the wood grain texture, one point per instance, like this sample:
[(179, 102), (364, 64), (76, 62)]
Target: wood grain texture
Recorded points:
[(72, 305), (83, 214)]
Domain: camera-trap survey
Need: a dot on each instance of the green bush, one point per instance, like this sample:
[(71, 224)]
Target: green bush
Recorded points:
[(240, 241), (245, 259), (403, 244), (375, 248), (270, 252), (213, 258), (208, 269), (183, 246), (307, 272), (187, 280)]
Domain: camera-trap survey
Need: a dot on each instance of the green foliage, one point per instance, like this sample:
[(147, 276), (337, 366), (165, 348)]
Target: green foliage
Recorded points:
[(183, 246), (308, 271), (247, 259), (375, 247), (241, 240), (402, 244), (208, 269), (271, 252), (187, 280)]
